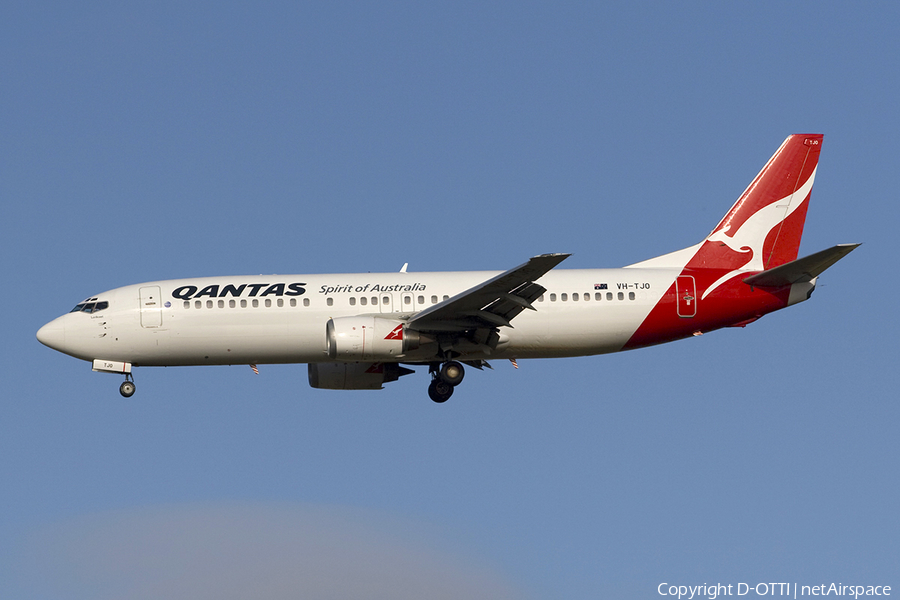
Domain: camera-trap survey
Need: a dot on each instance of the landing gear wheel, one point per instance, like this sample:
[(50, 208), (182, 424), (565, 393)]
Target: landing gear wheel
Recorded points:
[(452, 373), (440, 391), (127, 389)]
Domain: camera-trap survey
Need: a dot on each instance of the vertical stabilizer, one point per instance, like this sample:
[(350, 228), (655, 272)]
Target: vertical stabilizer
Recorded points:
[(763, 228)]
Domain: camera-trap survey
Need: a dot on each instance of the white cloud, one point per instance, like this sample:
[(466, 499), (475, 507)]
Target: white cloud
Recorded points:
[(258, 551)]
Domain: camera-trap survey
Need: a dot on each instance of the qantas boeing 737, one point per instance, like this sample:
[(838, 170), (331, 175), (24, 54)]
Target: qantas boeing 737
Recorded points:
[(357, 331)]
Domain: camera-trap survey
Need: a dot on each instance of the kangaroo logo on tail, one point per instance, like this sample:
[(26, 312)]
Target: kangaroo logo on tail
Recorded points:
[(752, 234), (763, 228)]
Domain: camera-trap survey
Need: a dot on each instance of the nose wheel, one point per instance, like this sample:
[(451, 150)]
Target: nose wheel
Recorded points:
[(443, 380), (127, 388)]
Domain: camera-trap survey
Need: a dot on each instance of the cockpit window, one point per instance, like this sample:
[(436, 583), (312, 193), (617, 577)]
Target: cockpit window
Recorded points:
[(90, 307)]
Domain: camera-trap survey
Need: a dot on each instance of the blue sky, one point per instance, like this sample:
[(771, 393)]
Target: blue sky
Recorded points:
[(166, 140)]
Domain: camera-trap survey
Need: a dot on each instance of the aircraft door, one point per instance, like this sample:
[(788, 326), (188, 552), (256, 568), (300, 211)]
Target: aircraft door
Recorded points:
[(385, 302), (686, 296), (151, 307)]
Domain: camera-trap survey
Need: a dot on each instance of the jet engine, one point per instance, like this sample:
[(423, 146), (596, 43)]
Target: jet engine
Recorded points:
[(369, 338), (354, 375)]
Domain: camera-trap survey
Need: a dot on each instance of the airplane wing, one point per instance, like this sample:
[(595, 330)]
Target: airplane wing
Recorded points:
[(493, 303)]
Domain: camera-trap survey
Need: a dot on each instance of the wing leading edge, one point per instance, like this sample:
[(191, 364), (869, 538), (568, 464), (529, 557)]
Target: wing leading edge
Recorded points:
[(493, 303)]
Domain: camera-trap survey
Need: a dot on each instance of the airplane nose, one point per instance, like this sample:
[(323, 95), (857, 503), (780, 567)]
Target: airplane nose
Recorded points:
[(53, 334)]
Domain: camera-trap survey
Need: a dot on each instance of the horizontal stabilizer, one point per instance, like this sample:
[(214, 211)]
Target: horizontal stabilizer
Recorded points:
[(802, 269)]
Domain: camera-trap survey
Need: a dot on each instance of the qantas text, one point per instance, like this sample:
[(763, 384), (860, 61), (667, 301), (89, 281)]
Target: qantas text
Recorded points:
[(186, 292)]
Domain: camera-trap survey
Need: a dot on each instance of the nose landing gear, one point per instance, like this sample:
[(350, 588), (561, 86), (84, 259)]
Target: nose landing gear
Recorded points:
[(127, 388), (444, 379)]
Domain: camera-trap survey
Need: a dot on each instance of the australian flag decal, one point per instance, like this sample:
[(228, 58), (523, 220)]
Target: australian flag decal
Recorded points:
[(600, 286)]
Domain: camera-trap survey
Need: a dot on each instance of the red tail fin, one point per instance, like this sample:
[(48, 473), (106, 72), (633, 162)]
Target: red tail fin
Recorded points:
[(763, 228)]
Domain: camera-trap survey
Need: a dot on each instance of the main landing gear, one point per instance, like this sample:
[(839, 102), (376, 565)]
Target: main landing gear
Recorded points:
[(127, 388), (444, 379)]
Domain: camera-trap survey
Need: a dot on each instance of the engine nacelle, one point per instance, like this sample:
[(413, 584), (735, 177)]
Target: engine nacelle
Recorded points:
[(354, 375), (369, 338)]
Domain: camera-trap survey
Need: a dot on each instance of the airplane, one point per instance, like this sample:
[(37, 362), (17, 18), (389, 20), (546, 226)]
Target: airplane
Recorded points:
[(360, 331)]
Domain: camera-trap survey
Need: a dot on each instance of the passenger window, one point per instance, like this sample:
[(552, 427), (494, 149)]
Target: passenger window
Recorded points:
[(330, 302), (587, 297), (609, 295), (575, 297), (197, 304), (363, 301), (187, 303), (243, 303), (564, 297), (598, 296), (385, 299), (209, 304), (552, 297), (221, 304), (541, 299), (446, 297), (268, 302), (407, 300), (279, 302), (621, 295), (232, 303), (374, 300), (255, 303), (631, 295), (306, 302), (352, 301), (434, 299), (421, 299), (293, 302)]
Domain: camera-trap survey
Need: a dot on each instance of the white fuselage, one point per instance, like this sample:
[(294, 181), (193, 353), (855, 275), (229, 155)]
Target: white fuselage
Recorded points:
[(583, 312)]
